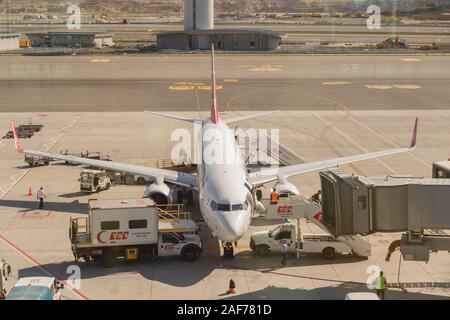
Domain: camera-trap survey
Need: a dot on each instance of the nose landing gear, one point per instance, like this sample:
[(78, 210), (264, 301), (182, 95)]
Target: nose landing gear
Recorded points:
[(228, 250)]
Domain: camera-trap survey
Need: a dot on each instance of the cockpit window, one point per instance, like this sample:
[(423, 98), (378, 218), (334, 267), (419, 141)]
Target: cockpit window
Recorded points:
[(214, 205), (223, 207), (226, 207), (236, 207)]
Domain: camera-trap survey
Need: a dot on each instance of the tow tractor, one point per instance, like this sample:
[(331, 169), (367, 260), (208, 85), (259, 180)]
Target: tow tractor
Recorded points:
[(94, 180), (134, 229)]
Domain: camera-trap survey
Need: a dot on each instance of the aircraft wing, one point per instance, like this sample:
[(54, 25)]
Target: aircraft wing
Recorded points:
[(248, 117), (271, 174), (175, 177)]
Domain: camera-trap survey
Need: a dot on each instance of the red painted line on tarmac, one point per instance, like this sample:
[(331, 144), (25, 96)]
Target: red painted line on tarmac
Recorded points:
[(39, 265)]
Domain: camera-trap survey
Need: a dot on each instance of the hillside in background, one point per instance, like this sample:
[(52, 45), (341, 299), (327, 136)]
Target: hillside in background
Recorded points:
[(228, 6)]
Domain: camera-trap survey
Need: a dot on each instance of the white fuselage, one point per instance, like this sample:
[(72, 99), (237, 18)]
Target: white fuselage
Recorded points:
[(224, 194)]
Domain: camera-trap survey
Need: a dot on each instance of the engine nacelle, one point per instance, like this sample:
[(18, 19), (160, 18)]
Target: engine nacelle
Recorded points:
[(159, 192), (283, 187)]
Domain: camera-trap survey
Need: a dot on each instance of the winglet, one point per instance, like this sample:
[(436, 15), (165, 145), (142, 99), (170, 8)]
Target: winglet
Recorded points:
[(214, 109), (414, 136), (16, 140)]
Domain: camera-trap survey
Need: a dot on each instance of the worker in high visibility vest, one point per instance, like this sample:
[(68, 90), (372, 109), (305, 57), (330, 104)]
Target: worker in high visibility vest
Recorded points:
[(380, 285), (274, 197)]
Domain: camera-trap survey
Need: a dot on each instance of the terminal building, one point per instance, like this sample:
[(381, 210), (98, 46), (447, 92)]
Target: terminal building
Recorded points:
[(71, 39), (199, 33), (9, 42)]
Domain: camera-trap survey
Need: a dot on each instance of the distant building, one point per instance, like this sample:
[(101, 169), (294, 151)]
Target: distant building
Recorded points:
[(9, 41), (223, 39), (199, 33), (71, 39)]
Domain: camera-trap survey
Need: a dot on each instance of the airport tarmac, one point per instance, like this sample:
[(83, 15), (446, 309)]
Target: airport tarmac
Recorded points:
[(331, 106), (247, 82), (36, 242)]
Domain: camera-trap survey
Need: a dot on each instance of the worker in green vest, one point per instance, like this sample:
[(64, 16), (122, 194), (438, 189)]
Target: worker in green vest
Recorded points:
[(380, 285)]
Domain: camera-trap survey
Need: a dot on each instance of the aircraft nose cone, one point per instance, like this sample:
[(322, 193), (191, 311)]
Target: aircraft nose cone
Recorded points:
[(234, 226)]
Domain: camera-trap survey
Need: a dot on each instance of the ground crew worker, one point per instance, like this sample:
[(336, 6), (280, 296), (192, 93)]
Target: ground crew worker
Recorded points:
[(317, 197), (284, 254), (40, 195), (380, 285), (96, 180), (274, 197)]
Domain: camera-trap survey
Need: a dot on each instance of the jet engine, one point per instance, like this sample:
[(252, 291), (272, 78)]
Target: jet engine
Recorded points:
[(159, 192), (284, 187)]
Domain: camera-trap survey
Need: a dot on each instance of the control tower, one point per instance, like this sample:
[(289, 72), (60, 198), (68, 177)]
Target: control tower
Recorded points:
[(199, 33), (198, 15)]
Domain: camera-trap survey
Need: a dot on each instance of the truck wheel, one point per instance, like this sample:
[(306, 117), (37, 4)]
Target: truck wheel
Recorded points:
[(98, 189), (46, 163), (109, 259), (262, 250), (108, 185), (140, 180), (190, 254), (329, 253)]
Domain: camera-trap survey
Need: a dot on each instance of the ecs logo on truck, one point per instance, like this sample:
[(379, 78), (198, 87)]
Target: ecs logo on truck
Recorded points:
[(119, 235), (284, 209)]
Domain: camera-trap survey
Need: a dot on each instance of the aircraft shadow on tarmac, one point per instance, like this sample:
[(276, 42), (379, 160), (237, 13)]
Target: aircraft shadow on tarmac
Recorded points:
[(273, 262), (65, 207), (173, 271), (326, 293), (336, 292)]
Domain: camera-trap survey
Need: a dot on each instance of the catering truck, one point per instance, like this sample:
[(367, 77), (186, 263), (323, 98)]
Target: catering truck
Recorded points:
[(134, 229)]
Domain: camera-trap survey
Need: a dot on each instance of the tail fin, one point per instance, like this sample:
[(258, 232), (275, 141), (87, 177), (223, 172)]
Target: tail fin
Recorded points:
[(414, 135), (214, 109)]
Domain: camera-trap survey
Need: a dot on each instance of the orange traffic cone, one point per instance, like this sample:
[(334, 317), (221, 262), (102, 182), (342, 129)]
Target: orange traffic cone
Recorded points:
[(30, 193), (231, 287)]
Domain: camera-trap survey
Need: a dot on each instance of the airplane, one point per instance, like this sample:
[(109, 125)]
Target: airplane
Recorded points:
[(225, 190)]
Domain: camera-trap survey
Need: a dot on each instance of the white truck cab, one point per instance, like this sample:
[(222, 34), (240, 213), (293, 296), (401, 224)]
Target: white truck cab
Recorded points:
[(36, 288), (94, 180), (174, 244), (265, 242)]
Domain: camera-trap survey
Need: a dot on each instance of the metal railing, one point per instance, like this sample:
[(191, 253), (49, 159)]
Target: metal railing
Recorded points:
[(175, 211), (80, 225)]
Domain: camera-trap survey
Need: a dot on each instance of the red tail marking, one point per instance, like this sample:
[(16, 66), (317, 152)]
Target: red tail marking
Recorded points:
[(414, 136), (16, 140)]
